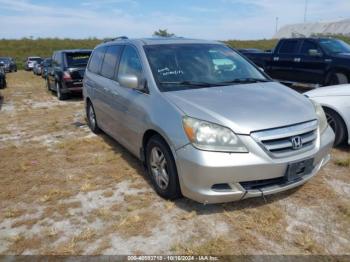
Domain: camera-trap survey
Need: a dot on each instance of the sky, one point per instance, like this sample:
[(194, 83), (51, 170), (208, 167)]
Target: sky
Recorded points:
[(206, 19)]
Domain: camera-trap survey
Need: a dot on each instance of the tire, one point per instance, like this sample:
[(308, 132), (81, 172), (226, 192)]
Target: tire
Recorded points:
[(48, 85), (161, 168), (337, 78), (337, 124), (91, 118), (2, 83), (60, 96)]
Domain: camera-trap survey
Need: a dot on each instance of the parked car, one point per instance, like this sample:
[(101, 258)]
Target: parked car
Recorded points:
[(309, 61), (68, 69), (208, 124), (37, 68), (46, 65), (335, 101), (30, 61), (2, 75), (9, 64)]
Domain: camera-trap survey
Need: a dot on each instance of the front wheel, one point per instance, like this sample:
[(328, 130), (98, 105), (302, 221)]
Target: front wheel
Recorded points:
[(162, 169), (337, 124), (338, 79)]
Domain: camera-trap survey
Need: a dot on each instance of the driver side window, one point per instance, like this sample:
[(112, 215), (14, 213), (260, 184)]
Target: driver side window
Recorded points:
[(130, 63)]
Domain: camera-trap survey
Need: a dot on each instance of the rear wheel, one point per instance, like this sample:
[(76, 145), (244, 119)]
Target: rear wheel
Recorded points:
[(91, 118), (2, 83), (162, 169), (60, 96), (337, 124)]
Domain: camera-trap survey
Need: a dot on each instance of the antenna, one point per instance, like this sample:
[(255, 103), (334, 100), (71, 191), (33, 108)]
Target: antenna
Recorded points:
[(305, 12)]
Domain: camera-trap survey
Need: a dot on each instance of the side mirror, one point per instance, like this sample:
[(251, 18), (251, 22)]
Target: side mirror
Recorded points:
[(315, 52), (130, 81), (261, 69)]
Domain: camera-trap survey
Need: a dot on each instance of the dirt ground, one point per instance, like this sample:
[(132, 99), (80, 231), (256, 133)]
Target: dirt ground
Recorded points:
[(65, 191)]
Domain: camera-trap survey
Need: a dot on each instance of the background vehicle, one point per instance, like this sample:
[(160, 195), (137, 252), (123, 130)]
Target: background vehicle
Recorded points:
[(336, 104), (309, 61), (9, 64), (2, 75), (37, 68), (46, 65), (29, 63), (208, 123), (67, 72)]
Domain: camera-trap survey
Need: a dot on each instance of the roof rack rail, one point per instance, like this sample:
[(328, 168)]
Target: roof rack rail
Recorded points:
[(116, 38)]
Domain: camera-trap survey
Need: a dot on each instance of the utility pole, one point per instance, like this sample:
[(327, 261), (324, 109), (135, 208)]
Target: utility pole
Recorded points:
[(277, 18), (305, 13)]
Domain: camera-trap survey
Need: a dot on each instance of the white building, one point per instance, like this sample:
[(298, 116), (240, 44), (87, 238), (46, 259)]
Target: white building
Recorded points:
[(341, 27)]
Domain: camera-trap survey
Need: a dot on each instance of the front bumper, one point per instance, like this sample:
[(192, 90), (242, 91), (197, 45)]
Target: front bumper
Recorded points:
[(200, 170)]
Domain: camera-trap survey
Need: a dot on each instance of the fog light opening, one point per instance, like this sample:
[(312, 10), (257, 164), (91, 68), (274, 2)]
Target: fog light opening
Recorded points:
[(221, 187)]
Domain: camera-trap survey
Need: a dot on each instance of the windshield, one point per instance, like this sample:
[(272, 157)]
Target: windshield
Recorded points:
[(77, 59), (335, 46), (184, 66)]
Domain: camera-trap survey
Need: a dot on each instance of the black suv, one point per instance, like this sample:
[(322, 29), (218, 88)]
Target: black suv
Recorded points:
[(67, 72), (9, 64)]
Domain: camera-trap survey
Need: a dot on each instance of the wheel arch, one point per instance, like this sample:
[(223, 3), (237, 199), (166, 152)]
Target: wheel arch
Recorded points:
[(147, 136), (335, 110)]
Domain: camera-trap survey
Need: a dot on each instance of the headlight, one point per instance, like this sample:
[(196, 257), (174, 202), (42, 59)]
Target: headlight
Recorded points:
[(322, 119), (211, 137)]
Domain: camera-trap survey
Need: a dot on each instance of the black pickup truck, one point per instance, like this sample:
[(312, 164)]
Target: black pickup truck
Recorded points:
[(311, 62)]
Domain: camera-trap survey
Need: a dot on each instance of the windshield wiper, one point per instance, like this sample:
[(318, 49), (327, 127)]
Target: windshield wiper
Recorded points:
[(247, 80), (190, 83)]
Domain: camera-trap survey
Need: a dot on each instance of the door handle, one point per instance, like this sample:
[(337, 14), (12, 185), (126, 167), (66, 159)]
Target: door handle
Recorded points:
[(276, 58), (297, 60)]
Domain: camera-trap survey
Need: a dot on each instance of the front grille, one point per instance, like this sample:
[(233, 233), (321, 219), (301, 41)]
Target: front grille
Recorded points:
[(278, 142)]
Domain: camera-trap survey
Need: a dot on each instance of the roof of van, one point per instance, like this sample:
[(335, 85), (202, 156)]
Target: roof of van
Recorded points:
[(161, 40)]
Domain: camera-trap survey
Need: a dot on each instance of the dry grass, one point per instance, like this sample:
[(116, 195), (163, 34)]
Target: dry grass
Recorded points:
[(343, 162), (65, 191)]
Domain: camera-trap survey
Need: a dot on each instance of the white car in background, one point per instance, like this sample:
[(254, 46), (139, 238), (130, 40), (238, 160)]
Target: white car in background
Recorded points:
[(335, 101)]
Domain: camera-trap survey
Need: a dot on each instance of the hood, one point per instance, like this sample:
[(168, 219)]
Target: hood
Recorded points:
[(245, 108), (339, 90)]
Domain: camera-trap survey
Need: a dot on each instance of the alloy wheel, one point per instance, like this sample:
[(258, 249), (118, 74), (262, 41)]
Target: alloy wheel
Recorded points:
[(159, 168)]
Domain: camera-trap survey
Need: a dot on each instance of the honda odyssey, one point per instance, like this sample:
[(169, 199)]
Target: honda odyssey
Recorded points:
[(207, 123)]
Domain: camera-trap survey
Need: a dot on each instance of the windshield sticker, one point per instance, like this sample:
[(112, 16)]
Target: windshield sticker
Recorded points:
[(166, 72)]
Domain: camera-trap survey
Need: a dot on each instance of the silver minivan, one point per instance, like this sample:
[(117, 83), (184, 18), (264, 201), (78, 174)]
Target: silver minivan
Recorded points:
[(207, 123)]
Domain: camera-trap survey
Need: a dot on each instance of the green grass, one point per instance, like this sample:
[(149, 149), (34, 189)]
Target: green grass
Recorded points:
[(22, 48)]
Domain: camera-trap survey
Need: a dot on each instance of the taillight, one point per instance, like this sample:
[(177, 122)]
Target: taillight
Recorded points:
[(67, 76)]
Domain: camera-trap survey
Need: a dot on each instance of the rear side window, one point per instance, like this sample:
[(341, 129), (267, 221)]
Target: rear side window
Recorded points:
[(77, 59), (289, 47), (111, 60), (307, 46), (96, 59), (130, 63)]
